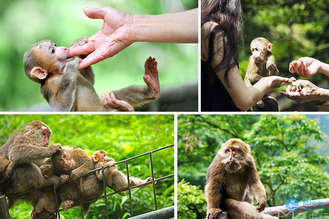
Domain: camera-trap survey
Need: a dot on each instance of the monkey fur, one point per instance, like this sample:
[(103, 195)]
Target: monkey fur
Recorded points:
[(67, 89), (114, 178), (232, 182), (23, 153)]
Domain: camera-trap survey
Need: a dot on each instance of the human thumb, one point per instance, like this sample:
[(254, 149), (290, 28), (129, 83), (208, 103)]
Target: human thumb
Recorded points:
[(94, 13)]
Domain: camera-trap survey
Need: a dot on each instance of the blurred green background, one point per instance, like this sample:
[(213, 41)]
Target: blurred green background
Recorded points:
[(122, 137), (23, 23)]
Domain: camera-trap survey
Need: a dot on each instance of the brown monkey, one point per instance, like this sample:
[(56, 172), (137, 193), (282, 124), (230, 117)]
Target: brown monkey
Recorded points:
[(26, 151), (46, 204), (233, 181), (77, 164), (261, 62), (67, 89), (114, 178)]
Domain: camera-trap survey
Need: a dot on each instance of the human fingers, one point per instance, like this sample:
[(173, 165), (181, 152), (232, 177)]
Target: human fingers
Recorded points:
[(92, 58), (293, 67), (95, 13), (81, 50)]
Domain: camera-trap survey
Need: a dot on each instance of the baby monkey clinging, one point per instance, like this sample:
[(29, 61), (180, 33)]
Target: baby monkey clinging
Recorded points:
[(67, 89)]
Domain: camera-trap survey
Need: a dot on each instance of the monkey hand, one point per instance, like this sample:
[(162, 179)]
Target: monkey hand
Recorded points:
[(151, 77), (262, 204), (64, 178), (272, 68), (72, 66), (213, 213), (54, 148), (111, 103)]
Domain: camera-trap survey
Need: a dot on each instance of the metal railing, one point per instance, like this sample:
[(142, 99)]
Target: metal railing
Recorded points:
[(168, 212)]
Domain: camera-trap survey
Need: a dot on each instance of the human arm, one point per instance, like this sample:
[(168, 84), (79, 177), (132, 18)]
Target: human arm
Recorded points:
[(307, 67), (245, 97), (121, 29), (305, 92)]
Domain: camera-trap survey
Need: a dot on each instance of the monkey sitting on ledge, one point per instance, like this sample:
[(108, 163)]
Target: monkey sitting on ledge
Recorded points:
[(67, 89), (114, 178)]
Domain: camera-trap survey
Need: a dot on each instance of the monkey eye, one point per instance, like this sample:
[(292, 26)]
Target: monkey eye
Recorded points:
[(52, 51)]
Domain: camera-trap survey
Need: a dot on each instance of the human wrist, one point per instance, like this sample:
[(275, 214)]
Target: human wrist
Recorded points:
[(324, 68), (323, 94)]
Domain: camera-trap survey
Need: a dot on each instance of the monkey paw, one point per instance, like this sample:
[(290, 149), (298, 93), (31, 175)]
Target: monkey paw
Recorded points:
[(111, 103), (67, 204), (151, 77), (213, 213), (72, 66), (55, 148)]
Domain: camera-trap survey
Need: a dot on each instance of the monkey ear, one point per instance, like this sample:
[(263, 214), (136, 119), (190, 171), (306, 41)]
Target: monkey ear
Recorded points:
[(269, 47), (39, 72), (94, 157)]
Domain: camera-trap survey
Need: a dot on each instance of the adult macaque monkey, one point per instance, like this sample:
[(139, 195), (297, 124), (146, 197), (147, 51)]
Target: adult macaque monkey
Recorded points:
[(261, 62), (114, 178), (67, 89), (26, 151), (232, 182)]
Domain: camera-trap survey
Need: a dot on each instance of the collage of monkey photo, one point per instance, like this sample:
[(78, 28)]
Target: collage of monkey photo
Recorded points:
[(205, 109)]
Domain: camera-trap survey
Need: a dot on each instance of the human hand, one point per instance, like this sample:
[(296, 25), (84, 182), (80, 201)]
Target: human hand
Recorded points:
[(302, 91), (275, 82), (115, 35), (305, 66)]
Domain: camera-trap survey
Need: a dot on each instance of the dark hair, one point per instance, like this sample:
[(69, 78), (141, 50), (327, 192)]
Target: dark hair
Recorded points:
[(228, 14)]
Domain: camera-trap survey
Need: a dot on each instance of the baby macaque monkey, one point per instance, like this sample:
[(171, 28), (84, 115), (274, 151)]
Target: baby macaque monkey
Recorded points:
[(114, 178), (261, 62), (67, 89)]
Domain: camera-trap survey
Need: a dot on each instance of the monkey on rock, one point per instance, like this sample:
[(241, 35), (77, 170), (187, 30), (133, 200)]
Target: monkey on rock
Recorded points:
[(66, 88)]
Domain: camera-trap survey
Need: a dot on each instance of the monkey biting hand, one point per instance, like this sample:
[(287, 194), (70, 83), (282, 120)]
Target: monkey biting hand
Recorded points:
[(232, 182), (67, 89), (114, 178)]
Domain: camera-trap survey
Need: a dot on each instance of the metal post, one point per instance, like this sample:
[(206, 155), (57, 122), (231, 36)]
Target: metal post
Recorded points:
[(4, 212), (154, 195), (105, 195), (131, 204)]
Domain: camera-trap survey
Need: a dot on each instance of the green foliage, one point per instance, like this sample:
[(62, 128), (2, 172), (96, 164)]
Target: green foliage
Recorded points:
[(122, 136), (191, 200), (23, 23), (284, 148)]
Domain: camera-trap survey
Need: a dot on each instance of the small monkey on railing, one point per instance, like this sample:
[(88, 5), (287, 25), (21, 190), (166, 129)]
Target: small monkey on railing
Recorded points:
[(114, 178)]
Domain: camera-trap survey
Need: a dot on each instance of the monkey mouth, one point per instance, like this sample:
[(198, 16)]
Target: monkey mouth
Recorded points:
[(69, 59)]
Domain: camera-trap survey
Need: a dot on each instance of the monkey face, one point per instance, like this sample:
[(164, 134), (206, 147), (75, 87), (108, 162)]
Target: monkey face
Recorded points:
[(51, 59), (65, 162), (233, 153), (257, 53), (259, 48), (39, 132), (100, 156)]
